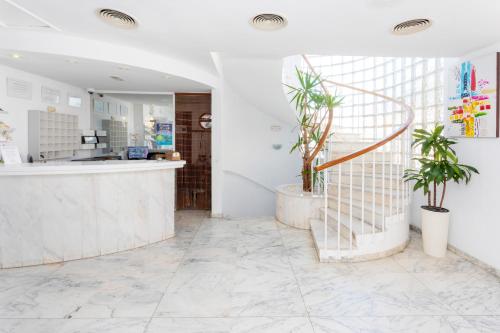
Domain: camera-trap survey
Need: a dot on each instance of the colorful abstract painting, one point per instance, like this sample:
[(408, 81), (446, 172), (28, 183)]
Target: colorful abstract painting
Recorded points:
[(472, 101)]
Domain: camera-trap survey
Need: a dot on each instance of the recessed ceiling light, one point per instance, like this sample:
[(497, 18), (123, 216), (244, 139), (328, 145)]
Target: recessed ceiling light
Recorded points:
[(16, 56), (268, 22), (116, 78), (123, 68), (411, 26), (117, 18)]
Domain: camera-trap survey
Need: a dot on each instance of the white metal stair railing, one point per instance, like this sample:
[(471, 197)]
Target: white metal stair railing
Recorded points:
[(365, 199)]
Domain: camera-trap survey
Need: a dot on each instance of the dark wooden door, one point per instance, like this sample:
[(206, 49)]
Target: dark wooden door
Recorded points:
[(193, 141)]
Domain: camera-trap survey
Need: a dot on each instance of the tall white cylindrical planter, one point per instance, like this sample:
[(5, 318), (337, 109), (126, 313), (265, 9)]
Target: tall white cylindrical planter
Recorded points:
[(435, 232), (296, 208)]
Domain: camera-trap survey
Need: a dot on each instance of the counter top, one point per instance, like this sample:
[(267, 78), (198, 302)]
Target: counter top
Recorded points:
[(86, 167)]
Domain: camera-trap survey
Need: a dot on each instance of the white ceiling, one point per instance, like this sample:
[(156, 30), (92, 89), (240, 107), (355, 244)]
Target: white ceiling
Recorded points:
[(87, 73), (13, 16), (191, 29)]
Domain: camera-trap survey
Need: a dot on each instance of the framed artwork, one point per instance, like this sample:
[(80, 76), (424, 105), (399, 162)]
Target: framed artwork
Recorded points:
[(99, 106), (74, 101), (472, 101), (112, 109), (123, 110), (164, 134)]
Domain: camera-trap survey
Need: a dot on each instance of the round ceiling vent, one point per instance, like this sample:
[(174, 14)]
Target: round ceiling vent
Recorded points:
[(411, 26), (117, 18), (268, 22)]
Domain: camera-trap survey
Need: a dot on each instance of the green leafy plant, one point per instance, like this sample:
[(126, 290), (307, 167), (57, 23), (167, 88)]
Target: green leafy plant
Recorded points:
[(438, 165), (314, 106)]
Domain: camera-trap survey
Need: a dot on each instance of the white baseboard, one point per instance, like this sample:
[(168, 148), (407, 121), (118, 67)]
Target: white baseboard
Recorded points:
[(465, 255)]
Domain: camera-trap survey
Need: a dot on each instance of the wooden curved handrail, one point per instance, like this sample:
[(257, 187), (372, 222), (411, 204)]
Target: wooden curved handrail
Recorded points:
[(376, 145)]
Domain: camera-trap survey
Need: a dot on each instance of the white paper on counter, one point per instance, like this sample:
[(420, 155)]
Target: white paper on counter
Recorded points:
[(9, 153)]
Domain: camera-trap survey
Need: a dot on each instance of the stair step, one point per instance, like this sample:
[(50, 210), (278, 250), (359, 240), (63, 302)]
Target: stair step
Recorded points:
[(358, 228), (369, 197), (358, 189), (318, 233), (366, 247), (368, 208), (357, 166), (357, 179), (346, 173), (378, 156), (356, 203)]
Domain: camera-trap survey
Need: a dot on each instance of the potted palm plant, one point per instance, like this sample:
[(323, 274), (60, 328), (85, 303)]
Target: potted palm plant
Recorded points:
[(314, 107), (295, 203), (438, 165)]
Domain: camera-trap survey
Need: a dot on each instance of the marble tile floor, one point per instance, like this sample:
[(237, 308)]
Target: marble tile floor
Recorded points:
[(248, 276)]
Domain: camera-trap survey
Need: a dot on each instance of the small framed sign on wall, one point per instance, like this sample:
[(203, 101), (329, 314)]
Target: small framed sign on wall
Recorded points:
[(19, 88), (472, 101), (112, 109), (123, 110), (74, 101), (50, 95), (99, 106)]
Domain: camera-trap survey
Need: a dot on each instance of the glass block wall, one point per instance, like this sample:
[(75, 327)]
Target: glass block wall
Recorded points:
[(418, 81)]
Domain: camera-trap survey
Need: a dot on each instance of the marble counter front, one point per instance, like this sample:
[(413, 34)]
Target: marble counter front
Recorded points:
[(56, 212)]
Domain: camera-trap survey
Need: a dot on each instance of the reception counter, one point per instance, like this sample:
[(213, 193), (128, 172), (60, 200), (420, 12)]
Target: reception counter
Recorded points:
[(56, 212)]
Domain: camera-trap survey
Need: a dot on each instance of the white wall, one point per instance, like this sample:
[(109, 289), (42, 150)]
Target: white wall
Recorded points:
[(248, 101), (252, 168), (217, 150), (475, 208), (18, 108)]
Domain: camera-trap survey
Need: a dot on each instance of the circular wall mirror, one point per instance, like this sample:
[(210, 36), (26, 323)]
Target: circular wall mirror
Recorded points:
[(206, 121)]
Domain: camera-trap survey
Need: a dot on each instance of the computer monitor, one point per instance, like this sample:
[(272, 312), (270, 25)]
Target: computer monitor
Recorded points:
[(137, 153)]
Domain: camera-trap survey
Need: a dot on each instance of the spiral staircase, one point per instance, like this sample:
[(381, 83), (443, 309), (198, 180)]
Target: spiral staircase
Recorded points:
[(365, 211)]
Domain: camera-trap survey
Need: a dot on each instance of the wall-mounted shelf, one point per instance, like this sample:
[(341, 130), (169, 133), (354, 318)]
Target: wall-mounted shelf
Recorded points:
[(52, 135)]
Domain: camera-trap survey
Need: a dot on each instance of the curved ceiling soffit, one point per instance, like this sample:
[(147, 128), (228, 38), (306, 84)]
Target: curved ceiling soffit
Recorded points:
[(63, 45), (250, 79)]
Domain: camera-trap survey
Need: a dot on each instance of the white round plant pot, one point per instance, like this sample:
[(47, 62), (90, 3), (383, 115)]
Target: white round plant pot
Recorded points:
[(435, 231), (295, 207)]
